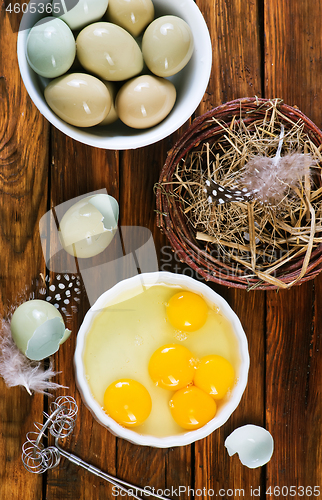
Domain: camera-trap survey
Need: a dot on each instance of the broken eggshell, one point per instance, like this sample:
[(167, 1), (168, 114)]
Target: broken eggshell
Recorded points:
[(253, 443), (38, 329), (88, 227)]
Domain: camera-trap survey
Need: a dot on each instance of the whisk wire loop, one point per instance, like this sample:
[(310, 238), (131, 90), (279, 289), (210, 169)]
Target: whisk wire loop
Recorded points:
[(60, 423)]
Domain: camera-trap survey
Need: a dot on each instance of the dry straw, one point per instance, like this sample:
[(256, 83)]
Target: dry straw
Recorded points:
[(263, 243)]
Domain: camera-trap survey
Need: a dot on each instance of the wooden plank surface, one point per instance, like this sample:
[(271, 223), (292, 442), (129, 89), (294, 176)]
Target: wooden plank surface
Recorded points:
[(265, 48), (93, 169), (23, 198), (293, 72), (236, 72)]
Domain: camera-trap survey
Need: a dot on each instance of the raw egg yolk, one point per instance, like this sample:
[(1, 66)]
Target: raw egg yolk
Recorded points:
[(127, 402), (214, 375), (172, 367), (192, 408), (187, 311)]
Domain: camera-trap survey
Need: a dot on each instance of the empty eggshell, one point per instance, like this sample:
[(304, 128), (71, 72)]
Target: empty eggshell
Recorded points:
[(109, 52), (167, 45), (88, 227), (50, 47), (38, 329), (253, 443), (79, 99), (81, 13), (112, 115), (132, 15), (145, 101)]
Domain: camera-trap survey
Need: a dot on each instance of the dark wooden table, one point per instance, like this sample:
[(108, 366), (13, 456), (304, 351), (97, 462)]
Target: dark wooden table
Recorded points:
[(268, 48)]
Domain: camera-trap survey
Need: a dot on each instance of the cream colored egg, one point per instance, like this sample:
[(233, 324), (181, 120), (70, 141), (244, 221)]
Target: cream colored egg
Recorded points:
[(109, 52), (50, 48), (167, 45), (79, 99), (112, 115), (145, 101), (81, 12), (88, 227), (132, 15)]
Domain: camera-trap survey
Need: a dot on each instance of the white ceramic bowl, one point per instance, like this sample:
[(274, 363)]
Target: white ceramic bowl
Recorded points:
[(191, 83), (223, 412)]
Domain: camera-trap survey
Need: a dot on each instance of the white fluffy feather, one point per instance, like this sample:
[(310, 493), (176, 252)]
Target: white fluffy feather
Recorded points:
[(16, 369), (270, 179)]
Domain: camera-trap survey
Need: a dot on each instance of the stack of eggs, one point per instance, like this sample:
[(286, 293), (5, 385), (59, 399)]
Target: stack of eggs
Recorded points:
[(125, 57), (196, 384)]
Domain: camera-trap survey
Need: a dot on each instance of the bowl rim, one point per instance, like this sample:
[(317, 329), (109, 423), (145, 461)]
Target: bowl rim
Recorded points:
[(129, 434), (131, 138)]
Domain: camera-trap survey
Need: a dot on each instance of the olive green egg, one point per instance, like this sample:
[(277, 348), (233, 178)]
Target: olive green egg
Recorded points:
[(112, 115), (109, 52), (51, 47), (167, 45), (132, 15), (84, 12), (145, 101), (79, 99)]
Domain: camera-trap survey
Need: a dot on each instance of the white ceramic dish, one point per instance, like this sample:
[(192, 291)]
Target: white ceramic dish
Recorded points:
[(188, 436), (191, 83)]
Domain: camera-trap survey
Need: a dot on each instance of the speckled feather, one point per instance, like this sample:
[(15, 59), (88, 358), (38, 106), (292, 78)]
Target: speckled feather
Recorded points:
[(63, 291), (220, 195)]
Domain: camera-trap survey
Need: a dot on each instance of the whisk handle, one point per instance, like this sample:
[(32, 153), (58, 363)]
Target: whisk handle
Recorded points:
[(119, 483)]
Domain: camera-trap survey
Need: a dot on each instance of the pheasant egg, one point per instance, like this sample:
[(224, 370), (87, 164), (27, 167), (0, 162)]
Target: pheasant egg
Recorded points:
[(128, 402), (84, 12), (51, 47), (145, 101), (79, 99), (88, 227), (109, 52), (112, 115), (38, 329), (167, 45), (132, 15)]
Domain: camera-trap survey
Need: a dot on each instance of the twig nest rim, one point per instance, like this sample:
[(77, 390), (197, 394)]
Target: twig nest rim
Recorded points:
[(215, 125)]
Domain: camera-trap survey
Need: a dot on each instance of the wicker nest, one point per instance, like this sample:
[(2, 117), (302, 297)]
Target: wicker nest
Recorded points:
[(244, 244)]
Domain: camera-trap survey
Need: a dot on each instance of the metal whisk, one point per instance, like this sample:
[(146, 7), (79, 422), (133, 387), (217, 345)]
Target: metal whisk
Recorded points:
[(60, 422)]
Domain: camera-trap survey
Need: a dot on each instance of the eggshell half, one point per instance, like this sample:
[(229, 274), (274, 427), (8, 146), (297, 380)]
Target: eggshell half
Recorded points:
[(88, 227), (253, 443), (38, 329)]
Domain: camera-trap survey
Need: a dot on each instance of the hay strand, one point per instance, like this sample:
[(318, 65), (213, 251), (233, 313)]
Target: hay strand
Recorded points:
[(272, 241)]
